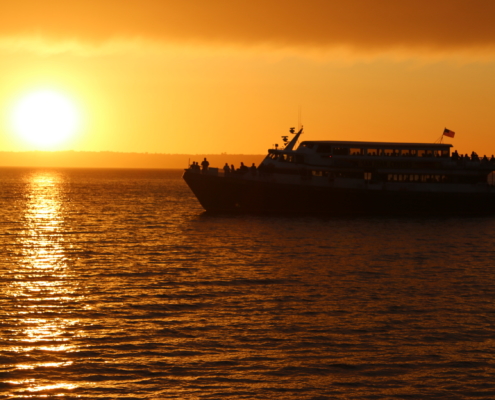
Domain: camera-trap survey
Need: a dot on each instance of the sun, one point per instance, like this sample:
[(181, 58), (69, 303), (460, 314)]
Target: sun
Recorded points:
[(45, 118)]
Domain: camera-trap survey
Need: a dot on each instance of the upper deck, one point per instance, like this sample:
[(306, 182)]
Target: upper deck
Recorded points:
[(383, 157)]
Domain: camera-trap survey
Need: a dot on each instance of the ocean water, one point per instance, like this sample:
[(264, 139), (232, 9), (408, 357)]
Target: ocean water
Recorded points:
[(115, 284)]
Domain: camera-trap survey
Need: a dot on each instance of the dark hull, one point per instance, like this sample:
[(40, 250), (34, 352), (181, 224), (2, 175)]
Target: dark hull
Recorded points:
[(218, 194)]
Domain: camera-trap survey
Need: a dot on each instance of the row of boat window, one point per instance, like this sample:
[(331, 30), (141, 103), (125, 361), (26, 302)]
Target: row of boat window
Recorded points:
[(390, 177), (416, 178), (368, 176), (299, 159), (368, 151), (294, 158)]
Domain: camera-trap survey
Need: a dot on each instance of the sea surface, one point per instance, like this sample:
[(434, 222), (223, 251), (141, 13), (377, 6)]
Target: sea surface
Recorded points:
[(115, 284)]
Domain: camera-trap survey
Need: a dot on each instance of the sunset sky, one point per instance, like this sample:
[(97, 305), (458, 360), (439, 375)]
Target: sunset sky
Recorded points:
[(230, 76)]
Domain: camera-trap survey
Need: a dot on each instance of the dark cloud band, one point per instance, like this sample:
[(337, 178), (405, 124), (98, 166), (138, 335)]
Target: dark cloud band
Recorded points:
[(362, 24)]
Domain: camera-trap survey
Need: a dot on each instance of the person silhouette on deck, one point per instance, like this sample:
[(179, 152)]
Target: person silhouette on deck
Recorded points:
[(253, 169), (205, 164), (243, 168)]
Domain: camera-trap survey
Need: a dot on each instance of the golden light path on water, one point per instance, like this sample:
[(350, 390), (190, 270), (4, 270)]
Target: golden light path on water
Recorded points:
[(42, 287)]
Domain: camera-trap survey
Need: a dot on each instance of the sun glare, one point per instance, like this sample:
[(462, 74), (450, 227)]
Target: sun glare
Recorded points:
[(45, 118)]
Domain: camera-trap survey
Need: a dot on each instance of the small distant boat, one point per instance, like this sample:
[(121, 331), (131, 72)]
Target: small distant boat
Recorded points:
[(349, 178)]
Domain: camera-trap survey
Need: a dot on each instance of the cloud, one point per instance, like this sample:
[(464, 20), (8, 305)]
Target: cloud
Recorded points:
[(358, 26)]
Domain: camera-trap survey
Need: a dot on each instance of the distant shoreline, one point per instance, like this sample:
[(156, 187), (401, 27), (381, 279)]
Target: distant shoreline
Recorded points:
[(109, 159)]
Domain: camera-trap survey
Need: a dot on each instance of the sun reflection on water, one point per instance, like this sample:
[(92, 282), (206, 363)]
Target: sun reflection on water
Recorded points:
[(42, 287)]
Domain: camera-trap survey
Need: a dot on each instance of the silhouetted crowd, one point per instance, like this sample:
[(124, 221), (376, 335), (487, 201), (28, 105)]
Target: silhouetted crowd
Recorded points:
[(204, 165), (228, 170), (242, 170), (462, 158)]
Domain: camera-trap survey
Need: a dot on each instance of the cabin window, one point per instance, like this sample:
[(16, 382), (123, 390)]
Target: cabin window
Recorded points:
[(390, 152), (281, 157), (357, 151), (341, 151), (442, 153), (421, 153), (372, 152), (406, 152), (324, 148), (295, 158), (367, 176), (307, 144), (429, 153)]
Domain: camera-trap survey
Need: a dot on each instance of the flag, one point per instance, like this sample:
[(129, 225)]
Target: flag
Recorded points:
[(448, 132)]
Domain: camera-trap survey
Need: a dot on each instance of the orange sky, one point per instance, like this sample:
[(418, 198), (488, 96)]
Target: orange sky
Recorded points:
[(229, 76)]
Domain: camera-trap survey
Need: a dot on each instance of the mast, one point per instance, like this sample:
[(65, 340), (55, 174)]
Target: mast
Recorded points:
[(292, 143)]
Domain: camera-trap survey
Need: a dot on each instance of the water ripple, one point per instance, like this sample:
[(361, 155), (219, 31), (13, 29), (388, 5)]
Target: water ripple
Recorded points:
[(115, 284)]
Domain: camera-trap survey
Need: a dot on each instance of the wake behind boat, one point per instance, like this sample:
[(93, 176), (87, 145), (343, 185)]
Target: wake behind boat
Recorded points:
[(349, 177)]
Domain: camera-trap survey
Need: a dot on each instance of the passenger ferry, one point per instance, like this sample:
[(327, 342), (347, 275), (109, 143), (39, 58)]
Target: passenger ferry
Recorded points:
[(350, 177)]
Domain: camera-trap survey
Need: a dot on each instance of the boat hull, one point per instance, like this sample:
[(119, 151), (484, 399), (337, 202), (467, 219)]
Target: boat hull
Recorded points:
[(235, 194)]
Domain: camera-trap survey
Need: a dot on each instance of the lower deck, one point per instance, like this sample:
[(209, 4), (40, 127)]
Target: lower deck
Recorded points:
[(273, 193)]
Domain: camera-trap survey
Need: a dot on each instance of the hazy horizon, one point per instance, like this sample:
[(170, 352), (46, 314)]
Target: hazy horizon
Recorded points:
[(111, 159)]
